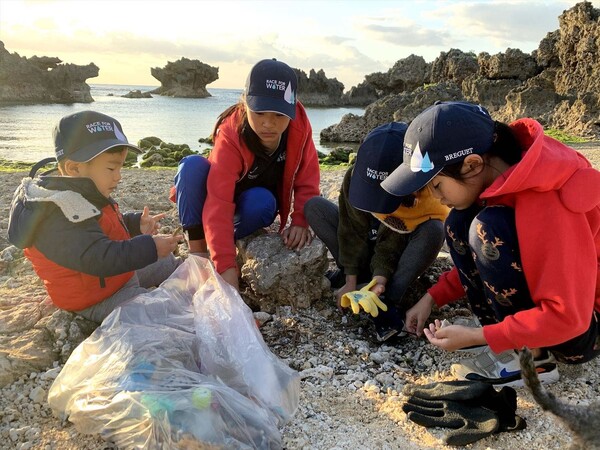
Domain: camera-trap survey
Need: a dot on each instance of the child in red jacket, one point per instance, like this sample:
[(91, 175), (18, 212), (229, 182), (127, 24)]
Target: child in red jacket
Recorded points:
[(524, 235), (263, 163)]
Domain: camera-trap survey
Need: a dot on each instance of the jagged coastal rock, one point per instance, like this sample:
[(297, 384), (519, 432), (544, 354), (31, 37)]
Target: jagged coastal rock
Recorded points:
[(136, 93), (558, 84), (362, 94), (185, 78), (43, 79), (318, 90)]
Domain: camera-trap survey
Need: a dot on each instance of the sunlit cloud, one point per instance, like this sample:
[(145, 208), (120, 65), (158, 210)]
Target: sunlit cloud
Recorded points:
[(337, 40), (407, 36), (496, 22)]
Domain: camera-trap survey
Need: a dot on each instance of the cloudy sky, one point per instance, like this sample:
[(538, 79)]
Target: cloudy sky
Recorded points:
[(347, 39)]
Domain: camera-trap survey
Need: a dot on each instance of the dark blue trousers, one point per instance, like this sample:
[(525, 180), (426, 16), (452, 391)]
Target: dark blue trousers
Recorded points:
[(255, 208)]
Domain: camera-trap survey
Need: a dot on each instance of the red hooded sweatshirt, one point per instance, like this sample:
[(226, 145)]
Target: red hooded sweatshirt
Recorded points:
[(556, 197), (230, 160)]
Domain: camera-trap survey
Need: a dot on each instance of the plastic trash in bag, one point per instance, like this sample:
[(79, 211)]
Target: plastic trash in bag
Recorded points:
[(232, 348), (139, 380)]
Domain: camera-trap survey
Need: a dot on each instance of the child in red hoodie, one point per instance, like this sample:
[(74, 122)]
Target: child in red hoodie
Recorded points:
[(263, 163), (524, 235)]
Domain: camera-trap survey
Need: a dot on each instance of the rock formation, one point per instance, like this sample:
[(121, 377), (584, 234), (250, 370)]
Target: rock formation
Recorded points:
[(185, 78), (136, 93), (362, 94), (318, 90), (276, 276), (558, 84), (43, 80)]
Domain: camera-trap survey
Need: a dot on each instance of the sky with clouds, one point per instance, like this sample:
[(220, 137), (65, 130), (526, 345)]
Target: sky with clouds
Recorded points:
[(347, 39)]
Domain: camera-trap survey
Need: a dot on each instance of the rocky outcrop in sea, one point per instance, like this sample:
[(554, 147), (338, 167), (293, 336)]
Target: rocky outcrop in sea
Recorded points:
[(43, 79), (315, 89), (137, 93), (185, 78), (558, 84)]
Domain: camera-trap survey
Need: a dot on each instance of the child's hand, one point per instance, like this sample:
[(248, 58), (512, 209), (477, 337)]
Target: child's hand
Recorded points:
[(166, 243), (379, 287), (453, 337), (364, 298), (296, 237), (150, 224), (349, 286), (418, 314), (232, 277)]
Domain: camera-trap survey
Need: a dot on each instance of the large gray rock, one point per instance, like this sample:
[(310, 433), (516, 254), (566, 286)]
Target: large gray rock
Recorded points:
[(416, 101), (406, 74), (351, 128), (185, 78), (43, 80), (136, 93), (318, 90), (537, 98), (361, 95), (579, 116), (276, 276), (512, 64), (491, 93), (454, 65), (578, 50), (409, 74), (547, 55)]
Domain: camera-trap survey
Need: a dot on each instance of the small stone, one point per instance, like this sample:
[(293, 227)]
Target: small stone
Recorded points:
[(38, 395)]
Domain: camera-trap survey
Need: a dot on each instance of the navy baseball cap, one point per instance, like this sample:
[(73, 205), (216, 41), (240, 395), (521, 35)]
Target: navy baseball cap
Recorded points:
[(443, 134), (272, 87), (378, 156), (84, 135)]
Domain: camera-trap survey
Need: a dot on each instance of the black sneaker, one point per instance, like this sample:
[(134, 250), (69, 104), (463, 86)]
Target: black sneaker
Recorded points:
[(389, 324), (385, 332), (336, 278)]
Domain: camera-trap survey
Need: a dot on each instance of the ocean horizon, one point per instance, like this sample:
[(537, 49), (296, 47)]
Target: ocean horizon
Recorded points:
[(26, 130)]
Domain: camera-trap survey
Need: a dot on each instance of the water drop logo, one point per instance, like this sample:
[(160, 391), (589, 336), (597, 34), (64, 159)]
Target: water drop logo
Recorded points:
[(120, 136), (420, 163), (289, 95)]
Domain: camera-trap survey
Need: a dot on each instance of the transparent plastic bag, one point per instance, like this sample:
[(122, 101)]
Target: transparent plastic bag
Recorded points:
[(138, 381), (232, 349)]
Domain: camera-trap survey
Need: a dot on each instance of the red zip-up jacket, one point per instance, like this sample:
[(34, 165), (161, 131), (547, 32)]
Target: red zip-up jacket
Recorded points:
[(556, 197), (230, 161)]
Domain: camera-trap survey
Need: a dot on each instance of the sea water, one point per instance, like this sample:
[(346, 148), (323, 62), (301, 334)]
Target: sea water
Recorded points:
[(26, 130)]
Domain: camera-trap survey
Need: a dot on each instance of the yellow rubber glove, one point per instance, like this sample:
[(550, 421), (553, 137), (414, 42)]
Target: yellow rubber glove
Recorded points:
[(363, 298)]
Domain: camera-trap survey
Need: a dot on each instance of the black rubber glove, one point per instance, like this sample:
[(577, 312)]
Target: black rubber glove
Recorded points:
[(472, 409)]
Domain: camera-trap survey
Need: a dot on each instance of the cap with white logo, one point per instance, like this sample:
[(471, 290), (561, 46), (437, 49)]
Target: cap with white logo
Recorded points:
[(272, 87), (445, 133), (84, 135), (377, 157)]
